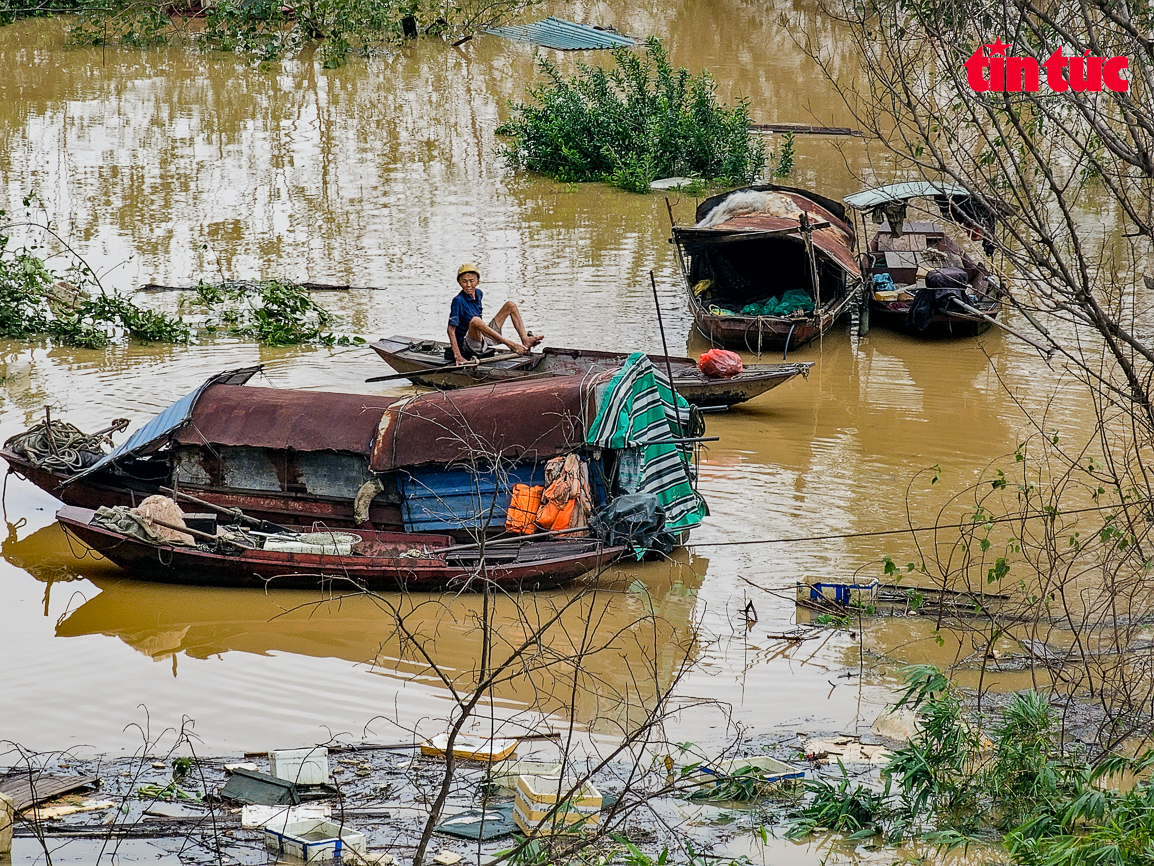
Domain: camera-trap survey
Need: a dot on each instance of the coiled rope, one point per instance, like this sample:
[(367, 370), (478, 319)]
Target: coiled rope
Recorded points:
[(62, 447)]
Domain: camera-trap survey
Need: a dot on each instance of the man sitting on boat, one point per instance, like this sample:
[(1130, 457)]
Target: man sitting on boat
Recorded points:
[(469, 336)]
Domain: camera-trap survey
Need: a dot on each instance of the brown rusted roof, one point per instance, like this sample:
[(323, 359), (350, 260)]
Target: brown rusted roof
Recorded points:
[(511, 420), (284, 419), (835, 241)]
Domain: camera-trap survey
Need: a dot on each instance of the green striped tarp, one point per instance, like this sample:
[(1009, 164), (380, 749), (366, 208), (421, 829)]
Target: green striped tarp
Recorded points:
[(637, 411)]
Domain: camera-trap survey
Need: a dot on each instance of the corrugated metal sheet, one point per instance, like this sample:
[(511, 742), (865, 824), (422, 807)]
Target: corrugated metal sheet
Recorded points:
[(835, 241), (436, 501), (29, 788), (510, 421), (564, 35), (284, 419), (166, 421), (869, 198)]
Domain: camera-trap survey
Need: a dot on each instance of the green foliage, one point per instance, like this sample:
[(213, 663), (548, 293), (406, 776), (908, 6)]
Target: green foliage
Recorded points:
[(856, 811), (256, 27), (631, 124), (784, 166), (145, 325), (11, 10), (948, 787), (29, 309), (268, 30), (274, 312), (136, 23)]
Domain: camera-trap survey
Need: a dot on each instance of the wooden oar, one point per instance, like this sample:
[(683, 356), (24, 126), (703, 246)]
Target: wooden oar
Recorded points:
[(466, 366), (235, 513)]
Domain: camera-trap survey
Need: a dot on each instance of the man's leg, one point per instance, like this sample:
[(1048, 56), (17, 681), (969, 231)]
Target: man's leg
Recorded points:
[(510, 310), (478, 331)]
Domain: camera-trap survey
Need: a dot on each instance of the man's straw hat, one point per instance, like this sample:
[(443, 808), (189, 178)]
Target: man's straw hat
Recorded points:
[(468, 268)]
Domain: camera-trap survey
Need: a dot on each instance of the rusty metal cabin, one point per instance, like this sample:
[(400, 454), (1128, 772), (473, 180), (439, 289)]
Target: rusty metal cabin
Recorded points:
[(434, 462)]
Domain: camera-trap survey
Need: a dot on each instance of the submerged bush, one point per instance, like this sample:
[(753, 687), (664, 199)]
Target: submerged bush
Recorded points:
[(273, 312), (631, 125), (35, 301), (271, 29)]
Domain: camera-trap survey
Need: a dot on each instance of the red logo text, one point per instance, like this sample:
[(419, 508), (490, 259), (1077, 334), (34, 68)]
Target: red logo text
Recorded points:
[(998, 73)]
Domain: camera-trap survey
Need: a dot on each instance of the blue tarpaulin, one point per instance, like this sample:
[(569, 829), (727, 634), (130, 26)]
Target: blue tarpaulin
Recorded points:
[(564, 35), (164, 423)]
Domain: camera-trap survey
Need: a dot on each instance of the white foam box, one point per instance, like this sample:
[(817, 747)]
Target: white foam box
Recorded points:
[(504, 773), (537, 795), (314, 841), (301, 766)]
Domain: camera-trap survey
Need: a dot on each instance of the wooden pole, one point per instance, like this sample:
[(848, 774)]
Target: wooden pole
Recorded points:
[(466, 366), (665, 350)]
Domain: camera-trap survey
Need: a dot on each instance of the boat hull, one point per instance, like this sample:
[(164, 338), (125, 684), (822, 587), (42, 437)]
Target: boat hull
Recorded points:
[(895, 317), (406, 355), (533, 566), (766, 333)]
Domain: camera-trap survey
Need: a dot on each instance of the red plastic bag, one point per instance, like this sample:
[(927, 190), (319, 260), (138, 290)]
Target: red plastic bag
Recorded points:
[(720, 364)]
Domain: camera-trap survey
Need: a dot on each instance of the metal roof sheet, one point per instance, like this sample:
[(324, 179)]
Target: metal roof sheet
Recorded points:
[(517, 421), (564, 35), (869, 198), (284, 419), (164, 423)]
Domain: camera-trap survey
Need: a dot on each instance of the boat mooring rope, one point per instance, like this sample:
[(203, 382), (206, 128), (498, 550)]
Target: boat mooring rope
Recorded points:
[(62, 447)]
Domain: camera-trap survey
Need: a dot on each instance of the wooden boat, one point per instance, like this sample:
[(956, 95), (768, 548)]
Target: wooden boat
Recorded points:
[(438, 462), (416, 562), (754, 251), (425, 357), (911, 255)]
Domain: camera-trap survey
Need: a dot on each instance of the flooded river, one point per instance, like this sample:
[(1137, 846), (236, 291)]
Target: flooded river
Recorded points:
[(165, 166)]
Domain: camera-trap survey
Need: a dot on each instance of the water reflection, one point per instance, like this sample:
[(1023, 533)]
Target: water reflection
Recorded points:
[(643, 616)]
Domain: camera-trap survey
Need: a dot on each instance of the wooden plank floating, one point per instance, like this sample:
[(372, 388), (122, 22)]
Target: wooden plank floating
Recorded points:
[(28, 789), (236, 284), (805, 129)]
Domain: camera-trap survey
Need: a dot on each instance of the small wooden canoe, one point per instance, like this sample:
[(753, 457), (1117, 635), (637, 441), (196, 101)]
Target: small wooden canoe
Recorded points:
[(405, 561), (426, 357)]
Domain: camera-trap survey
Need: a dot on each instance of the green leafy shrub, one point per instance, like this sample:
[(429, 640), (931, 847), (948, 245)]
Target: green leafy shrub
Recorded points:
[(949, 786), (631, 124), (274, 312)]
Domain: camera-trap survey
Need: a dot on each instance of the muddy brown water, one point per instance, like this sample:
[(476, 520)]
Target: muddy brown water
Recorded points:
[(165, 166)]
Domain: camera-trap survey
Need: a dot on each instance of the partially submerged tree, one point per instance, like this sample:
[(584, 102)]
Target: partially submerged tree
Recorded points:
[(630, 125), (271, 29), (1039, 138)]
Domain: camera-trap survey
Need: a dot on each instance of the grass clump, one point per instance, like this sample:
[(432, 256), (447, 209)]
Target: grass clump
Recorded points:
[(950, 786), (630, 125)]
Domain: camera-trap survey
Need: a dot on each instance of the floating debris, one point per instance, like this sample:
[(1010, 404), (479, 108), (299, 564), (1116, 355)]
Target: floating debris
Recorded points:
[(248, 786), (27, 789), (480, 824), (564, 35)]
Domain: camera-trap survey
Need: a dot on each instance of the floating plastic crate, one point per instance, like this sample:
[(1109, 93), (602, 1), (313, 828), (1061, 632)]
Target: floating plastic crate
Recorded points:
[(841, 592), (314, 841), (537, 796)]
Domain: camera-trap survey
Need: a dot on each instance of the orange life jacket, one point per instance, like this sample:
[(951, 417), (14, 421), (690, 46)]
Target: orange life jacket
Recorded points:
[(554, 517), (523, 509)]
